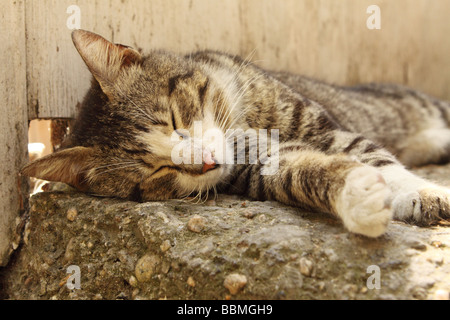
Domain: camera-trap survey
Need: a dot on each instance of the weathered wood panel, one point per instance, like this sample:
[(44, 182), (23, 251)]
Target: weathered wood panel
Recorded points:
[(327, 39), (13, 121)]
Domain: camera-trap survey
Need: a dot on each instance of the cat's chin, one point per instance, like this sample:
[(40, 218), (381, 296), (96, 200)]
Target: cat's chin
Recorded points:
[(203, 182)]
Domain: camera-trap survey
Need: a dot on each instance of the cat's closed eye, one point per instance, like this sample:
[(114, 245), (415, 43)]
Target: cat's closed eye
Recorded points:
[(174, 125)]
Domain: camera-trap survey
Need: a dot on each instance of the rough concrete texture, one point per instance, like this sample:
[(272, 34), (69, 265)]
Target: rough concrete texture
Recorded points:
[(227, 248)]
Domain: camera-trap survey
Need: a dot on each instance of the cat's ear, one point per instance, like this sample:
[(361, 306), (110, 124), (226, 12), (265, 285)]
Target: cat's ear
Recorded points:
[(104, 59), (69, 166)]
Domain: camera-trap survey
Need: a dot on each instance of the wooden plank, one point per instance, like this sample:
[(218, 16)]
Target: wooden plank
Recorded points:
[(13, 123), (326, 39), (56, 76)]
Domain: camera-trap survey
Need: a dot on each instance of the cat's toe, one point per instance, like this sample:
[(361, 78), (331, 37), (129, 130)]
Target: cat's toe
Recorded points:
[(423, 207), (363, 204)]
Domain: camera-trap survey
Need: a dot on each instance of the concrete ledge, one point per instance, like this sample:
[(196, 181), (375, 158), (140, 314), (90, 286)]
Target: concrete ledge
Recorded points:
[(227, 248)]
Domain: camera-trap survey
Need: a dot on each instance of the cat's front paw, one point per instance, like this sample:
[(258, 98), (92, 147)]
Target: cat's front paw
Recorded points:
[(423, 207), (363, 204)]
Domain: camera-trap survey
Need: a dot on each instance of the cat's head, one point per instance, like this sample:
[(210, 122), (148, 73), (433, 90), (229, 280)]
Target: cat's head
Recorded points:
[(137, 124)]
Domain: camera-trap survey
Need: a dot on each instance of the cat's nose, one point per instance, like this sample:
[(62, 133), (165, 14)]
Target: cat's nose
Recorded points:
[(209, 162), (208, 166)]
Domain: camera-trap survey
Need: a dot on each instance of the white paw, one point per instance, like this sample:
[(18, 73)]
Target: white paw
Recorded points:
[(363, 204), (423, 207)]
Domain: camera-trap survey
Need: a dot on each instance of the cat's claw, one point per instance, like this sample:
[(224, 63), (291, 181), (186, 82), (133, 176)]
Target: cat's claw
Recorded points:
[(423, 207), (363, 204)]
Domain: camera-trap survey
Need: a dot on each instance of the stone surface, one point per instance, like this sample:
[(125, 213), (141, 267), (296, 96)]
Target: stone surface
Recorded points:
[(235, 282), (129, 250)]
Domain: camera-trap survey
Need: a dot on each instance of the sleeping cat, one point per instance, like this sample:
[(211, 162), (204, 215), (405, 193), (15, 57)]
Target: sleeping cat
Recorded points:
[(340, 150)]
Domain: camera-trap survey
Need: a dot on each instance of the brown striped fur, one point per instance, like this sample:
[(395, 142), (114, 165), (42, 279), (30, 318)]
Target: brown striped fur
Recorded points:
[(338, 145)]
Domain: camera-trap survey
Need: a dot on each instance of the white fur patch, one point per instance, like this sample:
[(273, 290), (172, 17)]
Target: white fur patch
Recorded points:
[(187, 184), (427, 146), (363, 202), (414, 198)]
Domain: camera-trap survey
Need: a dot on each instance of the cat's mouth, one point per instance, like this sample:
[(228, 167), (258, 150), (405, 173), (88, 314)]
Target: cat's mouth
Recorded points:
[(209, 167), (201, 177), (206, 167), (209, 164)]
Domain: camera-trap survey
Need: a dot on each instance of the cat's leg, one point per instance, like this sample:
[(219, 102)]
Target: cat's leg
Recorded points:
[(336, 184), (427, 146), (414, 199)]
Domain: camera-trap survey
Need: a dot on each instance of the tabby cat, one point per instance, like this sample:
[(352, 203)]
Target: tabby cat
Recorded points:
[(341, 150)]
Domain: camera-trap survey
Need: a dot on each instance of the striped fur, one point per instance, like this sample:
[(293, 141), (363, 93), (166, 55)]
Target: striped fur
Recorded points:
[(342, 149)]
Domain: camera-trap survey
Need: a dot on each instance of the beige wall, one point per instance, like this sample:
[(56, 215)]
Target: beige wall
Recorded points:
[(327, 39)]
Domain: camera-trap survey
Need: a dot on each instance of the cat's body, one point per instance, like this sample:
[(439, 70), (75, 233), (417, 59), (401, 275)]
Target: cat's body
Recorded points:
[(411, 125), (333, 142)]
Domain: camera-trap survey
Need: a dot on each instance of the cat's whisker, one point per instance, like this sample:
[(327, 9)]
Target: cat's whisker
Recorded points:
[(237, 117), (199, 195), (206, 196), (216, 196), (222, 112), (210, 187), (123, 182), (219, 112), (227, 88), (230, 81), (185, 197), (193, 198), (237, 99), (223, 106), (240, 93), (188, 194)]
